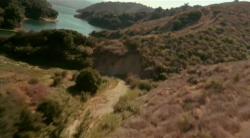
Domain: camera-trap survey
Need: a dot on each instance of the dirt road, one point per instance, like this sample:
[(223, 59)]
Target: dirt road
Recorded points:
[(98, 106)]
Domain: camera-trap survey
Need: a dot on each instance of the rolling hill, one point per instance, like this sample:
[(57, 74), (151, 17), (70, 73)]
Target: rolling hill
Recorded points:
[(113, 15), (75, 4), (208, 35), (188, 73), (115, 8)]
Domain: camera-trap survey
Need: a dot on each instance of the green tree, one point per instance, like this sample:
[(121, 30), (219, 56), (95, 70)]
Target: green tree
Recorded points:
[(88, 80), (12, 16)]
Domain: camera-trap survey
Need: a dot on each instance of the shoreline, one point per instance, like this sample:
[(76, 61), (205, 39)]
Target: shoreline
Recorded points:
[(47, 20), (20, 27)]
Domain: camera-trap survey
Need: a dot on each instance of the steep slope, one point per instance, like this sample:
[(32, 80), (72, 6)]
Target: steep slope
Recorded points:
[(201, 102)]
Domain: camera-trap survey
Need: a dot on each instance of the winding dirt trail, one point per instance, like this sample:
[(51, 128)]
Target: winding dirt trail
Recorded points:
[(98, 106)]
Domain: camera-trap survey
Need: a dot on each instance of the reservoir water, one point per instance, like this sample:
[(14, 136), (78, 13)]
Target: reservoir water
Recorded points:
[(65, 20)]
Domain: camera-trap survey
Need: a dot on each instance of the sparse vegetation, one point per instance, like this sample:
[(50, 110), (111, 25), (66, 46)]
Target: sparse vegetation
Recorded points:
[(145, 85), (127, 106), (215, 86), (107, 125)]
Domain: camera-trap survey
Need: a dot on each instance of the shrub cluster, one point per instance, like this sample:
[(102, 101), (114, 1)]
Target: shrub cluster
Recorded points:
[(61, 48)]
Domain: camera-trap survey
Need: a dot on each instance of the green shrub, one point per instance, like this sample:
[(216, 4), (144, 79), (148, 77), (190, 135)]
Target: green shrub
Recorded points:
[(89, 80), (61, 48), (145, 85), (50, 111)]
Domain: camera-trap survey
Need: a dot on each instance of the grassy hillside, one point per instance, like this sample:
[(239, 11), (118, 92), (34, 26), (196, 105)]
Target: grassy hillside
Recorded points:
[(197, 51), (201, 102), (209, 35), (36, 102), (24, 88)]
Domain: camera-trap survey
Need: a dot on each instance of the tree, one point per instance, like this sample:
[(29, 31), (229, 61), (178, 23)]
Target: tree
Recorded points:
[(12, 16), (88, 80), (36, 9)]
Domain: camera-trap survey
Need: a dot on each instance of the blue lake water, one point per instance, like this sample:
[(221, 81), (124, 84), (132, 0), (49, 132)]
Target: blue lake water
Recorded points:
[(65, 20)]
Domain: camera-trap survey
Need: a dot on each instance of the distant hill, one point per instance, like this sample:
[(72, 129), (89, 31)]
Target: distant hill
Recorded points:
[(117, 15), (114, 15), (75, 4), (115, 8)]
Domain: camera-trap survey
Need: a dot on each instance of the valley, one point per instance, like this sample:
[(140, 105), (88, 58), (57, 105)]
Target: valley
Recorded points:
[(153, 73)]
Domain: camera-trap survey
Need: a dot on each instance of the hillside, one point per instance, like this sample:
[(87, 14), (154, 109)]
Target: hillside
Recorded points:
[(158, 48), (201, 102), (37, 102), (183, 74), (113, 15)]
